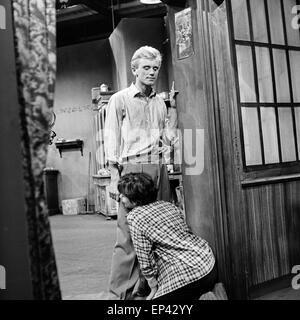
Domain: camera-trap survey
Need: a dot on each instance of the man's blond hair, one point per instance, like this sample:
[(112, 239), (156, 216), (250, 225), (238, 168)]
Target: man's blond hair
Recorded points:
[(146, 52)]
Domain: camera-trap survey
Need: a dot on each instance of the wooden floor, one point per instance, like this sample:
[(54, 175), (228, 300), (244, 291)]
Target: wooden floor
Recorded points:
[(283, 294), (83, 247)]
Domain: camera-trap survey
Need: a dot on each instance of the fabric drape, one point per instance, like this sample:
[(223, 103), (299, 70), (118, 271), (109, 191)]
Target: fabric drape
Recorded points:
[(35, 48)]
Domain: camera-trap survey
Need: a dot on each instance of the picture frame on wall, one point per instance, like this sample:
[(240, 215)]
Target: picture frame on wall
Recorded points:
[(184, 33)]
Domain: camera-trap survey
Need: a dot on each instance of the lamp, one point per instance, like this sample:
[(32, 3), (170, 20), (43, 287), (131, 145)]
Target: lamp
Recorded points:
[(150, 1)]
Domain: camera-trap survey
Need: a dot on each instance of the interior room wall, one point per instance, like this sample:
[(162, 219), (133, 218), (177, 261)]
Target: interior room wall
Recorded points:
[(128, 36), (80, 67)]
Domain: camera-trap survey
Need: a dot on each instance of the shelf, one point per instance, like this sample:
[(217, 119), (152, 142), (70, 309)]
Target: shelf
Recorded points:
[(102, 99), (69, 145)]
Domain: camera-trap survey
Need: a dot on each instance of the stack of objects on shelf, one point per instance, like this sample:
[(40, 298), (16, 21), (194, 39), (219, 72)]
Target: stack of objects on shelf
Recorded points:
[(104, 204)]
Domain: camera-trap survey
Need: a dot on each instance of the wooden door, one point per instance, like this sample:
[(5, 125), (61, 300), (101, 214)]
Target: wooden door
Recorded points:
[(255, 54), (241, 84)]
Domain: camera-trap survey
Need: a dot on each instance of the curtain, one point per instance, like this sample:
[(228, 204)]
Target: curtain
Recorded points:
[(35, 48)]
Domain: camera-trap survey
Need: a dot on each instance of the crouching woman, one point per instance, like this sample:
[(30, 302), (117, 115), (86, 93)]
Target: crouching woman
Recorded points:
[(176, 263)]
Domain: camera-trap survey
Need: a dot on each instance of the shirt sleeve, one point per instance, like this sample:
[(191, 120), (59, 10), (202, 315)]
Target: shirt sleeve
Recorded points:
[(112, 129), (143, 248)]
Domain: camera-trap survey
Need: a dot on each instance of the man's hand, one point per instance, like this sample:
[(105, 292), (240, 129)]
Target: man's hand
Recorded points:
[(152, 293), (172, 95), (114, 179)]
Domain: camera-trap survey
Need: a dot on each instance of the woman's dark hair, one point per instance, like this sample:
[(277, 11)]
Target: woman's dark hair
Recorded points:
[(138, 188)]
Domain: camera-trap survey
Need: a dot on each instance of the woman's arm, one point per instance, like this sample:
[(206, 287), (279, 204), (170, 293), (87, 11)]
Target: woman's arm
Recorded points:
[(143, 248)]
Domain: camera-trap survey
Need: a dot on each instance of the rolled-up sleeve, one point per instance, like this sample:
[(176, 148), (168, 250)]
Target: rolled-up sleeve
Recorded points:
[(143, 248), (112, 128)]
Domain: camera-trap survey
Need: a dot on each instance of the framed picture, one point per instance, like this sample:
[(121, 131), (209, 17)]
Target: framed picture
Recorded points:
[(184, 33)]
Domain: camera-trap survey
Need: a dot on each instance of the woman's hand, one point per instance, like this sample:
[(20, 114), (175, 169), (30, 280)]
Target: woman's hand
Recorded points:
[(152, 293)]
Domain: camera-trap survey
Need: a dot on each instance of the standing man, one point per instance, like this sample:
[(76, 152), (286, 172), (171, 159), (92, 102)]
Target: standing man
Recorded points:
[(138, 129)]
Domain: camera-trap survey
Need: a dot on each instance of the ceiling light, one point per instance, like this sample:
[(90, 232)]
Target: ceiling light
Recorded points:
[(150, 1)]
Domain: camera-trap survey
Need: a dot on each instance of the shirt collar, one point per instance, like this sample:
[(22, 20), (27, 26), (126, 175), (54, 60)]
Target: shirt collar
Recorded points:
[(134, 91)]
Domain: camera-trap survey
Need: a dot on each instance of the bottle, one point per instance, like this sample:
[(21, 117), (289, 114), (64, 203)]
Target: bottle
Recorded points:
[(103, 87)]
